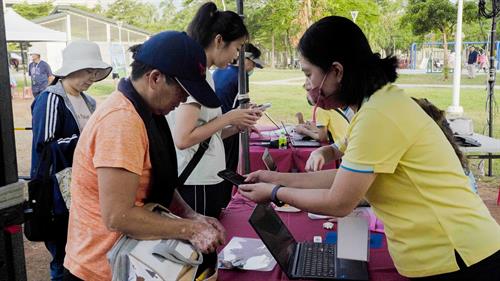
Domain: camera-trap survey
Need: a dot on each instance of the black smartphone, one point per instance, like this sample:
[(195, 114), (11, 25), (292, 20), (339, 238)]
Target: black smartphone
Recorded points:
[(232, 177)]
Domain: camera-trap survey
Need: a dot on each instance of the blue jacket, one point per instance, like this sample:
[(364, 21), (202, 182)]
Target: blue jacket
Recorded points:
[(54, 122), (226, 86)]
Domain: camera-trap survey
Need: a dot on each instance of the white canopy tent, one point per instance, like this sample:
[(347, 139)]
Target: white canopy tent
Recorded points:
[(19, 29)]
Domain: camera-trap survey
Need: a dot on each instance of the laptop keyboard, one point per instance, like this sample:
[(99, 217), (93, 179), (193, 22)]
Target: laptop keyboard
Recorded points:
[(318, 260)]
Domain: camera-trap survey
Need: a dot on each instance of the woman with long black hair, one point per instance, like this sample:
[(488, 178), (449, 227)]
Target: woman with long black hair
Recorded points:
[(222, 35), (395, 156)]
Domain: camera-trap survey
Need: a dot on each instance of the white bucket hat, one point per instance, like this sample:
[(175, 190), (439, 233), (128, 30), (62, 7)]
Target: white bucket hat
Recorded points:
[(83, 54)]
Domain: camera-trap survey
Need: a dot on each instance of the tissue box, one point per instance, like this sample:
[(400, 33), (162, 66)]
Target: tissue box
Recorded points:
[(461, 126)]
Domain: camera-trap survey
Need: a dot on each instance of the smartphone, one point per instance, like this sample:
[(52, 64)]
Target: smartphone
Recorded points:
[(264, 106), (232, 177)]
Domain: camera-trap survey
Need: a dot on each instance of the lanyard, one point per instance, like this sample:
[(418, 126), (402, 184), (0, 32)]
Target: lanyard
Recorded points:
[(36, 68)]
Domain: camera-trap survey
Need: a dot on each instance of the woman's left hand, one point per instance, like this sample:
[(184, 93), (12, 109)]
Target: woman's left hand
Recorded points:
[(258, 192)]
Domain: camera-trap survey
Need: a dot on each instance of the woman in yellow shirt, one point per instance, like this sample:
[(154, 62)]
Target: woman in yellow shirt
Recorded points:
[(395, 156)]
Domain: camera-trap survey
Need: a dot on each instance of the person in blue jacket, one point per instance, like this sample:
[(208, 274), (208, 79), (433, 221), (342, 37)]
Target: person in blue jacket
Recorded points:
[(59, 115), (226, 89)]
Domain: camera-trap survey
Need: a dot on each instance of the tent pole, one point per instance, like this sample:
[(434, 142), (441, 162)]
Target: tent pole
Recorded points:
[(25, 65), (12, 263), (492, 73), (491, 79), (243, 98)]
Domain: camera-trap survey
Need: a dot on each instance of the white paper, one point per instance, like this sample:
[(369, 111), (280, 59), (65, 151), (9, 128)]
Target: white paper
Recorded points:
[(250, 251), (353, 236)]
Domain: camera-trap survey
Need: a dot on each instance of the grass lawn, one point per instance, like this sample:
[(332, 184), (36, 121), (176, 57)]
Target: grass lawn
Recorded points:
[(437, 78)]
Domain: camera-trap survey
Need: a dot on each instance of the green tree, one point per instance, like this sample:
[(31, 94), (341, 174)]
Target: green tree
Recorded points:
[(274, 24), (33, 11), (438, 16), (98, 9), (136, 13)]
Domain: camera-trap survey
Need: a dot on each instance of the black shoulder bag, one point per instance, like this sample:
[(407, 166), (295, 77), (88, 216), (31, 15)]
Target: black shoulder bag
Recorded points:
[(41, 224)]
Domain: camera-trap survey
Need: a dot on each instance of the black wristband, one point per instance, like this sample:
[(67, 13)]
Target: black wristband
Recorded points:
[(275, 199)]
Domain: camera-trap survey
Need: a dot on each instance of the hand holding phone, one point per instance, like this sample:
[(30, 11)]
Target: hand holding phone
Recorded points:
[(232, 177)]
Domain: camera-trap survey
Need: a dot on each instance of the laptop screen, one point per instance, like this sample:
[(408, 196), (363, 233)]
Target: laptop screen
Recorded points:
[(274, 233), (269, 161)]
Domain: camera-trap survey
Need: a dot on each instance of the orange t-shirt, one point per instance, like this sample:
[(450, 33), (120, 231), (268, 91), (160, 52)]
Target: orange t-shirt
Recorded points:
[(115, 136)]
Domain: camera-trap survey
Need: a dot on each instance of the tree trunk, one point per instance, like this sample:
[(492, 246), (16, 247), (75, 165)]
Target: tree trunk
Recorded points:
[(308, 12), (288, 49), (445, 56), (285, 59), (273, 59)]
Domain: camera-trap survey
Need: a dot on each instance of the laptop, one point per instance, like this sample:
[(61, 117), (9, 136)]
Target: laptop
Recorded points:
[(269, 161), (300, 143), (302, 260)]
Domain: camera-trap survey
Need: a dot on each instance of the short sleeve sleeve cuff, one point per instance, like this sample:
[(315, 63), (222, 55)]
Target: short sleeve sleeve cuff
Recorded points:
[(357, 168)]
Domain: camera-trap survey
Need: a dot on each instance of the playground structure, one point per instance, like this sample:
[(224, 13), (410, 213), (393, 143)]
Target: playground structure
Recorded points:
[(430, 55)]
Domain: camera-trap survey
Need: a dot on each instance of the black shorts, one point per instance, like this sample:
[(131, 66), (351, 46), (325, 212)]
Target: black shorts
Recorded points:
[(486, 270)]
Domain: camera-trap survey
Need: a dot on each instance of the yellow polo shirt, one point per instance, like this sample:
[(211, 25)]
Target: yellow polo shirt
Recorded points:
[(421, 192), (335, 123)]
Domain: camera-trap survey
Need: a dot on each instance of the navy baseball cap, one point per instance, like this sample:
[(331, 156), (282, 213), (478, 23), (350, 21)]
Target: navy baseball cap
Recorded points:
[(177, 55)]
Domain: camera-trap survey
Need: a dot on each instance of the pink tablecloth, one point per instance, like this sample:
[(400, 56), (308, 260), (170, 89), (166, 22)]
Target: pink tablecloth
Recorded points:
[(235, 220), (287, 160)]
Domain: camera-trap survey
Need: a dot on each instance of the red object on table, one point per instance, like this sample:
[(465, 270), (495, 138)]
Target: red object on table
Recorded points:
[(235, 219)]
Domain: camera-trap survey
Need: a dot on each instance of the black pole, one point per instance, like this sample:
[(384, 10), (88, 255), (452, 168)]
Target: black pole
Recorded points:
[(24, 62), (482, 11), (243, 98), (12, 265), (491, 78)]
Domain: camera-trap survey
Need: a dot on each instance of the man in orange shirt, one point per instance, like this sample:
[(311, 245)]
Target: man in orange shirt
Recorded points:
[(126, 157)]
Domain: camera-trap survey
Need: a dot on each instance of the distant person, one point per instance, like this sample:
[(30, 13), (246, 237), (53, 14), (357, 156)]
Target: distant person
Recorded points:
[(40, 72), (482, 61), (328, 125), (471, 62), (60, 113), (226, 79), (226, 88)]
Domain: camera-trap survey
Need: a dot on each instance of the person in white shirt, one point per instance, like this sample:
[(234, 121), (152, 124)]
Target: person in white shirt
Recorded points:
[(221, 34)]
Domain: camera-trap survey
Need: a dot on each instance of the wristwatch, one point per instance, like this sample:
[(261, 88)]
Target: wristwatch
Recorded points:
[(274, 199)]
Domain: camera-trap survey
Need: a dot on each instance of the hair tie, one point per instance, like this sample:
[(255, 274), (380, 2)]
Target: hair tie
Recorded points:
[(375, 57)]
